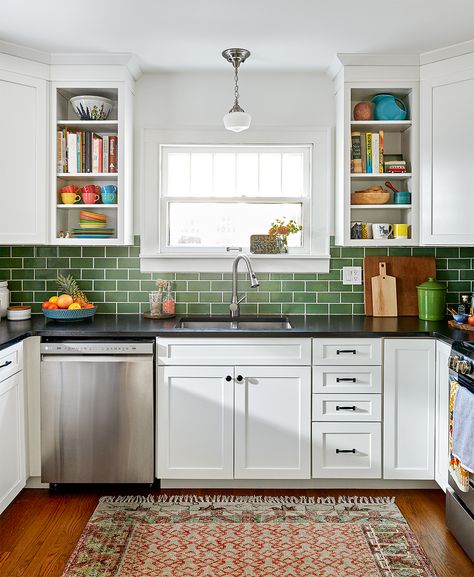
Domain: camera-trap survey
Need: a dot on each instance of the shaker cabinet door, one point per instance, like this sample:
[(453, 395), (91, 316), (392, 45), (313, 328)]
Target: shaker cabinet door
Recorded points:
[(409, 408), (23, 159), (195, 412), (447, 152), (272, 422)]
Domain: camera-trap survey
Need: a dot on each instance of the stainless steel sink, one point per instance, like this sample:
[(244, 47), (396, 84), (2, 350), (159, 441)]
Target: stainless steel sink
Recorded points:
[(240, 323)]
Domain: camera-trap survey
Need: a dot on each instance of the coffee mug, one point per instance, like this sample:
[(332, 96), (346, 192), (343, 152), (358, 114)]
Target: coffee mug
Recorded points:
[(70, 188), (382, 230), (356, 230), (92, 188), (367, 230), (70, 197), (109, 194), (90, 197), (400, 231)]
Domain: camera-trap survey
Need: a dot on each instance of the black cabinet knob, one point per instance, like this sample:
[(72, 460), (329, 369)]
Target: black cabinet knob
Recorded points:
[(240, 378), (228, 378)]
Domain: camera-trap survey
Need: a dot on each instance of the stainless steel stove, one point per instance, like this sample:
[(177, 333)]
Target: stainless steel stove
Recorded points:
[(460, 504)]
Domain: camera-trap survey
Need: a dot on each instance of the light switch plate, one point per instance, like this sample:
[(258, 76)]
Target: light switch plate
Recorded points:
[(351, 275)]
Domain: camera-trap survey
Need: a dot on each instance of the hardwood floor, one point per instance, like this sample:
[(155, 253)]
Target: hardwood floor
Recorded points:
[(40, 528)]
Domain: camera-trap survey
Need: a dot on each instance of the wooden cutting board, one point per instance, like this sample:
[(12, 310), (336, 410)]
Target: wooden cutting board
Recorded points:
[(384, 293), (409, 271)]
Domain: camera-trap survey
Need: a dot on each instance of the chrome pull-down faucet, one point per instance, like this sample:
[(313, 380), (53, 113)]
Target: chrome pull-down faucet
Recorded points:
[(234, 306)]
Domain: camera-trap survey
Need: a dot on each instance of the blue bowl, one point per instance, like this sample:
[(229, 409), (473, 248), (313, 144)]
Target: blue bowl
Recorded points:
[(402, 197), (460, 318), (69, 315)]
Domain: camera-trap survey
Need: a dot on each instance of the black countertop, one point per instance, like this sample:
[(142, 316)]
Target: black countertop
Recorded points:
[(135, 326)]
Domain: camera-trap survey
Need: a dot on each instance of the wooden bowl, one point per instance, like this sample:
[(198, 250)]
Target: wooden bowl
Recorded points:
[(370, 197)]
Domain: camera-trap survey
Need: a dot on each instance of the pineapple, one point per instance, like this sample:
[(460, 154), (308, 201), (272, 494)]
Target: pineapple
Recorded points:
[(68, 285)]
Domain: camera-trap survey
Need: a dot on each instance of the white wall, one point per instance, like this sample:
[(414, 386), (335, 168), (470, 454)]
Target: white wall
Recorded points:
[(200, 99)]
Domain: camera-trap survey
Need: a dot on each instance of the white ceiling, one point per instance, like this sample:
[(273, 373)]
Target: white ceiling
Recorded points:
[(191, 34)]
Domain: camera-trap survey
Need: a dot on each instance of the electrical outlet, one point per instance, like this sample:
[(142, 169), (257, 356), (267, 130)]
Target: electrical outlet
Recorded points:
[(351, 275)]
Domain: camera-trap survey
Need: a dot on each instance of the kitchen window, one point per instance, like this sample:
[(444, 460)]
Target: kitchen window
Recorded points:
[(203, 200), (212, 198)]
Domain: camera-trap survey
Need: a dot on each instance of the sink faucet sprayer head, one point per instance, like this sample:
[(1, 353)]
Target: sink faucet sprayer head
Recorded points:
[(254, 281)]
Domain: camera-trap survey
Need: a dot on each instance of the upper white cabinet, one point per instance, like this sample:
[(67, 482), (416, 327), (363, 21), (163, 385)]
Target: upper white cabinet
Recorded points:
[(447, 151), (92, 153), (399, 139), (409, 408), (23, 153)]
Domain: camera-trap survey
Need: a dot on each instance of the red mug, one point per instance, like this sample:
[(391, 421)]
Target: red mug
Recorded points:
[(69, 189), (89, 194)]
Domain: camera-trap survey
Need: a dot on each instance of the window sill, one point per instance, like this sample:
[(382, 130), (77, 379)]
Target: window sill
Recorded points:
[(222, 263)]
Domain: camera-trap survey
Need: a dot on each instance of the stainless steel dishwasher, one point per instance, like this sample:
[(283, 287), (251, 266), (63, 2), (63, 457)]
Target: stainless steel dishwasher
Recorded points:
[(97, 422)]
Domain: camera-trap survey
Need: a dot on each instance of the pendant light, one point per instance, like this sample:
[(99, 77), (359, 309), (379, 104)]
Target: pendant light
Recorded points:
[(236, 119)]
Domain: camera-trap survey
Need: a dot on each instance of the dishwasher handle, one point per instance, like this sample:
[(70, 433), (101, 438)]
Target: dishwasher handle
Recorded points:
[(96, 358)]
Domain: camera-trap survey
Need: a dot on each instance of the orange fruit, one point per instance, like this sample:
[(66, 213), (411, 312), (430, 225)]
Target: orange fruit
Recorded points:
[(88, 306), (74, 307), (53, 299), (64, 301)]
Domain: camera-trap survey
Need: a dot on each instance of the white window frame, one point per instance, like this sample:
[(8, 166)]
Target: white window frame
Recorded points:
[(166, 200), (313, 256)]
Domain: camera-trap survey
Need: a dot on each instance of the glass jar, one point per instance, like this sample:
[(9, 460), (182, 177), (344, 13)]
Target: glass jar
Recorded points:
[(4, 298), (168, 301), (156, 298)]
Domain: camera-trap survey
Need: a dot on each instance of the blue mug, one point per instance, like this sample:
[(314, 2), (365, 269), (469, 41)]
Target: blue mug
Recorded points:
[(109, 194)]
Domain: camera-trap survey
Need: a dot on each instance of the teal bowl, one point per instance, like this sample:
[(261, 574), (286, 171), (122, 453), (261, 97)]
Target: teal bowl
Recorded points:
[(402, 197), (69, 315)]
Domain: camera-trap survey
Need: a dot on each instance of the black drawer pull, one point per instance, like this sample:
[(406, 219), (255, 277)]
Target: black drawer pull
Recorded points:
[(240, 378), (228, 378), (349, 351), (338, 408), (5, 364), (346, 379), (345, 451)]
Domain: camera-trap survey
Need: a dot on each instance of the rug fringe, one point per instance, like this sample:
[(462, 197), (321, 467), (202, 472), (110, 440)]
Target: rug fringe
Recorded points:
[(250, 499)]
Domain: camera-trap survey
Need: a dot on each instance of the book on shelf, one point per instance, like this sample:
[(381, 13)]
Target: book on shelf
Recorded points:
[(368, 148), (381, 150), (113, 154), (375, 152), (85, 151), (356, 162)]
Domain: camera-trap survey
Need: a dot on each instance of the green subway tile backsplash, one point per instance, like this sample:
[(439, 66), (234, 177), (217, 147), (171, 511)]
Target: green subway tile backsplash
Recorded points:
[(111, 277)]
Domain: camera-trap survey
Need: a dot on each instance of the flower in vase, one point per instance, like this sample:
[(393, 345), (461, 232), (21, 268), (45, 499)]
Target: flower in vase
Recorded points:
[(281, 230)]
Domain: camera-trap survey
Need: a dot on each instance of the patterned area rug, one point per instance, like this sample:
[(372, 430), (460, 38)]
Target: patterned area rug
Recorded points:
[(187, 536)]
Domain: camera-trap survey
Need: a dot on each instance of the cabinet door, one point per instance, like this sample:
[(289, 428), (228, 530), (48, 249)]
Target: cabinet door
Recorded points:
[(12, 439), (447, 151), (195, 411), (409, 408), (442, 414), (23, 158), (272, 422)]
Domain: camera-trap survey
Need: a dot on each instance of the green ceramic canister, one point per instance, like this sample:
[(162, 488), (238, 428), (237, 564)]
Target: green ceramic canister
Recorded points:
[(431, 300)]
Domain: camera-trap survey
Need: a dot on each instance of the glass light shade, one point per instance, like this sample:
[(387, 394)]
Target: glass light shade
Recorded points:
[(237, 121)]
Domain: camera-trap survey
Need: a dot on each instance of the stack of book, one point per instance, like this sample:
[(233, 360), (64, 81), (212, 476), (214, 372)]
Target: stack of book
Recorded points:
[(367, 152), (86, 151), (395, 166)]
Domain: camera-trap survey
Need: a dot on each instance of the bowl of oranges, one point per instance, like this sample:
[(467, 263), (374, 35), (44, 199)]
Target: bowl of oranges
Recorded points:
[(71, 304)]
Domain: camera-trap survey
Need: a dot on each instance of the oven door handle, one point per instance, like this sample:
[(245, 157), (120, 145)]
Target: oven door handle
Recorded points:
[(87, 358)]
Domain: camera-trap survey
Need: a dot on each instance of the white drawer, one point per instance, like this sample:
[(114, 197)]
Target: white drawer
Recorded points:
[(347, 352), (11, 360), (346, 450), (231, 351), (347, 407), (349, 379)]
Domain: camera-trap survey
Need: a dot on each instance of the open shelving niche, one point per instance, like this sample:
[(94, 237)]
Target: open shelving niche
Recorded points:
[(65, 217), (400, 137)]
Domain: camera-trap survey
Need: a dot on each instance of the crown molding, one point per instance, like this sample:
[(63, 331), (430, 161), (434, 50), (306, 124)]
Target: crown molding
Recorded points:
[(447, 52)]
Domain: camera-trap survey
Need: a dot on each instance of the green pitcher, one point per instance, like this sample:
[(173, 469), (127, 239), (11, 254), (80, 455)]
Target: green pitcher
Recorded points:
[(431, 300)]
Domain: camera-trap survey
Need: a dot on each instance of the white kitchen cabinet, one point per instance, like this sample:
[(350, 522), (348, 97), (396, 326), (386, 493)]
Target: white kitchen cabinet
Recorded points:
[(272, 422), (442, 414), (23, 157), (195, 413), (447, 150), (218, 419), (12, 426), (409, 408)]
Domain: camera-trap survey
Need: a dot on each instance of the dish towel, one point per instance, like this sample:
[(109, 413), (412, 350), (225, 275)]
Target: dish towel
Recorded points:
[(458, 472)]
